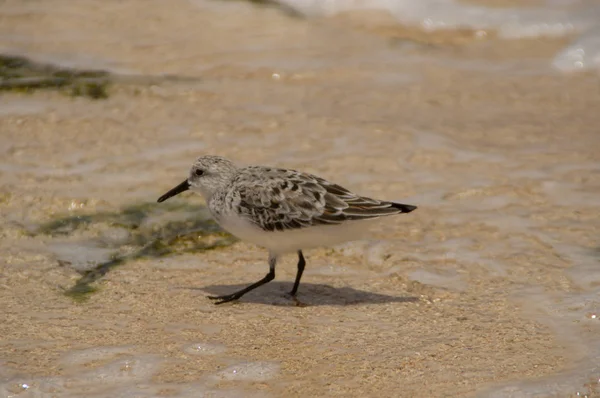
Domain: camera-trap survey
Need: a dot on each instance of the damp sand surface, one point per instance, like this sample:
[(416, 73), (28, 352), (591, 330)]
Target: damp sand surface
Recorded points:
[(490, 288)]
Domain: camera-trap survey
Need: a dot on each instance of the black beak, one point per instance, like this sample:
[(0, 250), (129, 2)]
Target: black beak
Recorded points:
[(184, 186)]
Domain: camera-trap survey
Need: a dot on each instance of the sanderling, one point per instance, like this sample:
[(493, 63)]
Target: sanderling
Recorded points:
[(281, 210)]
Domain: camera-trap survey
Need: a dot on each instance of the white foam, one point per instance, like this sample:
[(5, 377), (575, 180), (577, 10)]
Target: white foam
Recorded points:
[(204, 349), (249, 371), (84, 356), (331, 270), (81, 256), (448, 279), (552, 19), (123, 377), (574, 317), (583, 53), (555, 19), (124, 370), (374, 252)]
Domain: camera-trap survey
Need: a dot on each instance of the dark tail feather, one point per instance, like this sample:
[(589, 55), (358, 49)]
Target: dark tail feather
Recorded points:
[(402, 207)]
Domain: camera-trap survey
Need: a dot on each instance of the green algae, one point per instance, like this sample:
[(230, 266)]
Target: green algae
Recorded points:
[(20, 74), (153, 231)]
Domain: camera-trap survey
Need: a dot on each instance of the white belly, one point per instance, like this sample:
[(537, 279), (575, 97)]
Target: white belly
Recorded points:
[(296, 239)]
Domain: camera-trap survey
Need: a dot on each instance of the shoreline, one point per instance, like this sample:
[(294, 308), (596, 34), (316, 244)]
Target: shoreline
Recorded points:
[(500, 162)]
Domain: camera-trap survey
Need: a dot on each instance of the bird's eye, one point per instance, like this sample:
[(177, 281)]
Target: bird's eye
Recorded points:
[(199, 172)]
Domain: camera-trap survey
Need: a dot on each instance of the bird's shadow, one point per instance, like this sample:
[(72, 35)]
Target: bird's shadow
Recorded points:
[(309, 294)]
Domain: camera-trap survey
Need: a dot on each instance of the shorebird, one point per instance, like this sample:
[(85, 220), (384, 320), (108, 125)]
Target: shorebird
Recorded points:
[(281, 210)]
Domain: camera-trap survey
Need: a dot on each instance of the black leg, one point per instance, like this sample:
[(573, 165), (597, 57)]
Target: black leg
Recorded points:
[(234, 296), (301, 264)]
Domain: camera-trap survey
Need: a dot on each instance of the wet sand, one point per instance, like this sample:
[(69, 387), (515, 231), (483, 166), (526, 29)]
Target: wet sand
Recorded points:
[(500, 155)]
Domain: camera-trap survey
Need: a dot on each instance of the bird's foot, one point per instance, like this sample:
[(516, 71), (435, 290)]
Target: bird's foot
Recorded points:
[(295, 300), (225, 298)]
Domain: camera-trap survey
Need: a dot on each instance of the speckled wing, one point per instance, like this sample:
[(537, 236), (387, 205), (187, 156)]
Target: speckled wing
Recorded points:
[(280, 200)]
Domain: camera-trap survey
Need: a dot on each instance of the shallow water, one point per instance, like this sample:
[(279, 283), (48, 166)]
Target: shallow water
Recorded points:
[(489, 289)]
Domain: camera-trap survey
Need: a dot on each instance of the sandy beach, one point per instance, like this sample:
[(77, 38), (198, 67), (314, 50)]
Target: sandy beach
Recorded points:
[(486, 290)]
